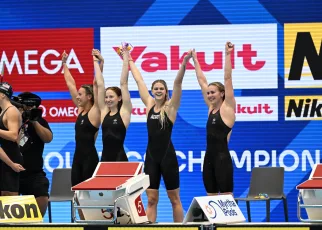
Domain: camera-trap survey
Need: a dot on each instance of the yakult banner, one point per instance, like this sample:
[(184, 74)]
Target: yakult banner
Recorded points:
[(247, 109), (159, 50), (256, 108)]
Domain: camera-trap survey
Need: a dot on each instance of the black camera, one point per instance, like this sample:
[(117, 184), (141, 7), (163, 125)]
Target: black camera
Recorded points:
[(31, 115), (29, 103)]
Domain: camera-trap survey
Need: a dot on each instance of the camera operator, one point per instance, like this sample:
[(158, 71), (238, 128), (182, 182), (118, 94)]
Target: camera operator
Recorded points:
[(35, 132), (10, 122)]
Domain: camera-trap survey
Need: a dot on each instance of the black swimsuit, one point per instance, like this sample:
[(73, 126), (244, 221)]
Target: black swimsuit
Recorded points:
[(161, 157), (113, 132), (217, 166), (9, 179), (85, 156)]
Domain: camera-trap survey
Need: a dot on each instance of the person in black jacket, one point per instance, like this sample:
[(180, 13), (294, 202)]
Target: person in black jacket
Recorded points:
[(35, 132)]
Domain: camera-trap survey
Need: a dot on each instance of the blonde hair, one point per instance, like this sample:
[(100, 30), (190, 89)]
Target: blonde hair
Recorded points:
[(220, 87), (162, 112)]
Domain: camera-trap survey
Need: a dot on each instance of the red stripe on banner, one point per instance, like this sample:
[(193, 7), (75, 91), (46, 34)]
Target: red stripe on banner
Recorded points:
[(59, 110)]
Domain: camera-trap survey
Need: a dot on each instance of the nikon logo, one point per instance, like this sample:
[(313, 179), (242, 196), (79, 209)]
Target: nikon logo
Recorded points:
[(303, 108), (303, 55), (305, 49), (18, 211)]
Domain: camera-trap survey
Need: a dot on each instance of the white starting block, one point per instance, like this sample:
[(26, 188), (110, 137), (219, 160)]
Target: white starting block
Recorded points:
[(310, 192), (113, 194)]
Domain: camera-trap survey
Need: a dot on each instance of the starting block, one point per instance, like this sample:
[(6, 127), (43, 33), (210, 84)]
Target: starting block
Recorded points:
[(310, 193), (112, 194)]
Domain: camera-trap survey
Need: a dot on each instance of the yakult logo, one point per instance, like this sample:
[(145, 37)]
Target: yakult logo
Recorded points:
[(158, 52), (256, 108), (31, 59), (154, 61), (259, 108), (138, 110)]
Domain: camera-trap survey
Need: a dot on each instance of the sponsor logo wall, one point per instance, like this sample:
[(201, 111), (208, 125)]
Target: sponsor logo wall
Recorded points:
[(275, 125)]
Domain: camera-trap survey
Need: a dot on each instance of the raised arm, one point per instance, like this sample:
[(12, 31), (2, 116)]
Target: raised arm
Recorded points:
[(99, 58), (102, 65), (200, 77), (69, 79), (95, 92), (100, 85), (229, 91), (126, 108), (143, 90), (177, 85), (94, 114)]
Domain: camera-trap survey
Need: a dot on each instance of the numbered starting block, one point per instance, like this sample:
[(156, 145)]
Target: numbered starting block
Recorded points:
[(310, 196), (112, 194)]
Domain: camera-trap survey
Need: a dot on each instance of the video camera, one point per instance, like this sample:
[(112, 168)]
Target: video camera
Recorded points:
[(29, 103)]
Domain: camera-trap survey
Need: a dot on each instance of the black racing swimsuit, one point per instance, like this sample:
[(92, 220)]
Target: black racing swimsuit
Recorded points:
[(9, 179), (113, 135), (161, 157), (85, 156), (217, 166)]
